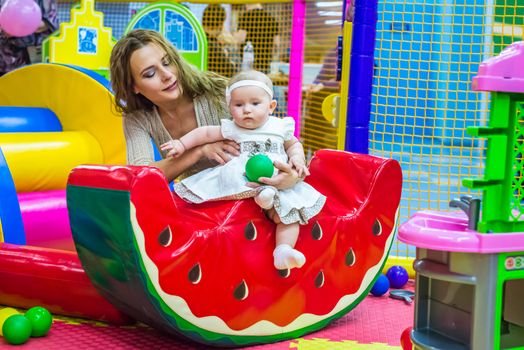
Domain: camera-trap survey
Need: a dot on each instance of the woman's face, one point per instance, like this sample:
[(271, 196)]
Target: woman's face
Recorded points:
[(155, 76)]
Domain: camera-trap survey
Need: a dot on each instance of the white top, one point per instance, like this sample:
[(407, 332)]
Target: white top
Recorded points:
[(277, 130), (228, 181)]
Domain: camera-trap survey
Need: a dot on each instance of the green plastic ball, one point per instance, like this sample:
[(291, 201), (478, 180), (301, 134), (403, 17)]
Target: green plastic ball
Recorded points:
[(259, 166), (16, 329), (40, 319)]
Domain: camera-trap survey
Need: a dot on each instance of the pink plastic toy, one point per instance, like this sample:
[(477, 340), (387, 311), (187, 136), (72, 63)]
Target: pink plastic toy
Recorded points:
[(504, 72)]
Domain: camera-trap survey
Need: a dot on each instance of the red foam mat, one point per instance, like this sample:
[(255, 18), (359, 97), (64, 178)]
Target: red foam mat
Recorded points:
[(374, 320)]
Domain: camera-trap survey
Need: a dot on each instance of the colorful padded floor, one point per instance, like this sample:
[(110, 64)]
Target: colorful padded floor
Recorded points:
[(376, 323)]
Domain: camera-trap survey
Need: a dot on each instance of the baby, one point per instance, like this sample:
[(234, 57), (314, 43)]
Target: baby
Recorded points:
[(250, 99)]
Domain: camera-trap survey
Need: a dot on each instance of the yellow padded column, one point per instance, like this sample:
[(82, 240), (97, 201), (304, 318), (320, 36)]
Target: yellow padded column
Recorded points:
[(80, 102), (42, 161)]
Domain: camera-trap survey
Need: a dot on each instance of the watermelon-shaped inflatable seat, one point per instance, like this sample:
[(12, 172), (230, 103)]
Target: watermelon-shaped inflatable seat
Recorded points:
[(206, 271)]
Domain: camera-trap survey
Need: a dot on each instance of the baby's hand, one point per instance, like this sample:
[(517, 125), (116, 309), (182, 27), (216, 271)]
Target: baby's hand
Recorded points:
[(175, 148), (299, 164)]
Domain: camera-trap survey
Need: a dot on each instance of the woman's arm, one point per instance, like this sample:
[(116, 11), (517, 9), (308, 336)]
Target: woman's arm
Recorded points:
[(139, 148), (174, 167), (218, 151), (140, 151)]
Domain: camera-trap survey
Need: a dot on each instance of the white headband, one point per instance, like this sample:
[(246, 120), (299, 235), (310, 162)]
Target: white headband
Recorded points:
[(241, 83)]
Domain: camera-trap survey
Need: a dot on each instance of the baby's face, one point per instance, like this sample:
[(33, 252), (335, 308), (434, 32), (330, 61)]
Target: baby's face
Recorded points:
[(251, 106)]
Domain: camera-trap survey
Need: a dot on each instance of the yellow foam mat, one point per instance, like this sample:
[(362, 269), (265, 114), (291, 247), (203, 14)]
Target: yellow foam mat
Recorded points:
[(325, 344)]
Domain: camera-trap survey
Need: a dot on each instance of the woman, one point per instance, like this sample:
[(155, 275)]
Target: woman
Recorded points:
[(162, 97)]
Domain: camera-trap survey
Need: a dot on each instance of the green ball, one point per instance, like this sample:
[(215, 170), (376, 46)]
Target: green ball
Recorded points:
[(259, 166), (40, 319), (16, 329)]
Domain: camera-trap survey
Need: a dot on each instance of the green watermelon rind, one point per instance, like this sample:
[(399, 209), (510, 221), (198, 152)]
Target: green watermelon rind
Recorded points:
[(214, 337)]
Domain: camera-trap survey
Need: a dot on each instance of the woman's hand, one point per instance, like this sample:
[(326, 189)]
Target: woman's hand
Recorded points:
[(286, 178), (220, 151)]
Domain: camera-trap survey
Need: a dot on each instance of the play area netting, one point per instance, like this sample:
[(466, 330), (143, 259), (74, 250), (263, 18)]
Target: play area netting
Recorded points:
[(181, 257)]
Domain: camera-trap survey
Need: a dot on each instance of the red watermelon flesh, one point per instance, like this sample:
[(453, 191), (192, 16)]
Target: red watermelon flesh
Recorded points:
[(211, 264)]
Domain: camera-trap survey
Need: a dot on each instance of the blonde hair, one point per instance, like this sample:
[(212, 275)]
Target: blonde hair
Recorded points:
[(251, 75), (194, 82)]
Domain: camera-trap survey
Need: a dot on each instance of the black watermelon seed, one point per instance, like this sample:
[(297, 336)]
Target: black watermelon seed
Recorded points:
[(250, 232), (165, 237), (319, 280), (350, 257), (284, 273), (241, 292), (195, 274), (316, 231), (377, 228)]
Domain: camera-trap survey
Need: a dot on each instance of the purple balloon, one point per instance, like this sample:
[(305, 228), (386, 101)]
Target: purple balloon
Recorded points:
[(20, 17)]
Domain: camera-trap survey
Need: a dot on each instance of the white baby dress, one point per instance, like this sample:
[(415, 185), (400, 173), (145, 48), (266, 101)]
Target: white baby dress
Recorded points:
[(227, 181)]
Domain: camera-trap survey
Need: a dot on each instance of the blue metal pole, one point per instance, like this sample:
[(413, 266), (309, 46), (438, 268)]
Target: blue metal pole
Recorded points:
[(361, 81)]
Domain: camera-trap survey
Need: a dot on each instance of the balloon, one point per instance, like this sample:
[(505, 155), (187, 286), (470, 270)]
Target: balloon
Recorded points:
[(20, 17)]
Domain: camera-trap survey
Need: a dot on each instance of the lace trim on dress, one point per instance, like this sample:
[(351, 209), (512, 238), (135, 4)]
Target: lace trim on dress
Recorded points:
[(301, 215), (183, 192)]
